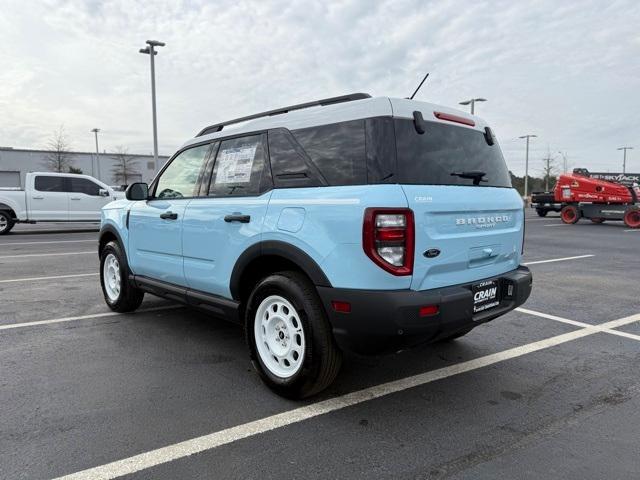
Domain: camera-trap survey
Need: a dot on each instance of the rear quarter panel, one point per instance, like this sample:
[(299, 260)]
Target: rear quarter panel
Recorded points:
[(326, 223), (16, 200)]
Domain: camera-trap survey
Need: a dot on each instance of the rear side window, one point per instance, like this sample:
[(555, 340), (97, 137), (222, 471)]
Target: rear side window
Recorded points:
[(431, 158), (337, 150), (290, 164), (82, 185), (238, 167), (49, 184)]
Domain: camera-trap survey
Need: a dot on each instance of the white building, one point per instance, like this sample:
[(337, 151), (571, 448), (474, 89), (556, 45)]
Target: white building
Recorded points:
[(16, 162)]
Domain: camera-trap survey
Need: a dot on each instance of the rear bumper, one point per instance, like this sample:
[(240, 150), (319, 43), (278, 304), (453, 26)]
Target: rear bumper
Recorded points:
[(388, 320)]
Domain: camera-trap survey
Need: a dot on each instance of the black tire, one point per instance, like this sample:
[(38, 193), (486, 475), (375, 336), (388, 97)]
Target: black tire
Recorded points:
[(129, 297), (541, 212), (321, 358), (458, 334), (6, 222)]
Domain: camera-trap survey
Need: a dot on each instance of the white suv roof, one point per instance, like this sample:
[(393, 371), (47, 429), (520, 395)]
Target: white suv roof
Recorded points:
[(338, 109)]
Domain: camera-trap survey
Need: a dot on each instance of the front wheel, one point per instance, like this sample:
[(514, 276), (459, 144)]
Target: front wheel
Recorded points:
[(569, 214), (119, 293), (6, 222), (290, 339)]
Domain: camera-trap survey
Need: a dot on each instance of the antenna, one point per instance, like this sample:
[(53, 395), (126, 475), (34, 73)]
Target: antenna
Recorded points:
[(414, 93)]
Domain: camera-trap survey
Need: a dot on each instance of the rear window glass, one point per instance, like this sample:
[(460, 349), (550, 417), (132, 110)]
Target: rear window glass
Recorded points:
[(49, 184), (431, 158), (338, 150)]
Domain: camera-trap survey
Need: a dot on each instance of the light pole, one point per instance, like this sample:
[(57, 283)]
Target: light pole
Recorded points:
[(95, 131), (564, 161), (472, 102), (624, 158), (150, 50), (526, 167)]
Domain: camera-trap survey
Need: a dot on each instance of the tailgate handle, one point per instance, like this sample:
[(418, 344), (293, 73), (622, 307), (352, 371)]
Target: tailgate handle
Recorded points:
[(487, 251)]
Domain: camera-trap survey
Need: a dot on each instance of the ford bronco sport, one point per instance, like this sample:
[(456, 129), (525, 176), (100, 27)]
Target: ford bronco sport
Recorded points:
[(368, 224)]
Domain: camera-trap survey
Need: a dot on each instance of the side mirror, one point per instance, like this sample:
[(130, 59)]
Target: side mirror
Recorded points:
[(137, 191), (103, 192)]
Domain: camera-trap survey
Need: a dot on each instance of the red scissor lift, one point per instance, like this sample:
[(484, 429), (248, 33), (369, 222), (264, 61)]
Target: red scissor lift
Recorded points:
[(583, 196)]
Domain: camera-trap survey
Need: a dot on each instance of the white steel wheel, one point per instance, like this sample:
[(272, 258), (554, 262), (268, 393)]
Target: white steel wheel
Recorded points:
[(279, 336), (111, 277)]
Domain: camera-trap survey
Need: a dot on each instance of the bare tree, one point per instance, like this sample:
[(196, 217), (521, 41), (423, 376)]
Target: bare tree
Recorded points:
[(57, 158), (125, 166)]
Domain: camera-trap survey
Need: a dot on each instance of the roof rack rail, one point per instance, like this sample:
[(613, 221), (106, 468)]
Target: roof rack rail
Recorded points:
[(317, 103)]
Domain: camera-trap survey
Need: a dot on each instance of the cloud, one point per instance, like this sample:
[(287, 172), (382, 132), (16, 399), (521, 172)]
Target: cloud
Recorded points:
[(566, 72)]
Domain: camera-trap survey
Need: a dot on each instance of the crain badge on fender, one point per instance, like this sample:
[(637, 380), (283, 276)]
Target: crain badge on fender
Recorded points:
[(431, 253)]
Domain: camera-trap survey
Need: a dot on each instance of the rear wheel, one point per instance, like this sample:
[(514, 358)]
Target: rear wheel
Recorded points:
[(290, 339), (597, 220), (541, 212), (632, 218), (119, 293), (6, 222), (569, 214)]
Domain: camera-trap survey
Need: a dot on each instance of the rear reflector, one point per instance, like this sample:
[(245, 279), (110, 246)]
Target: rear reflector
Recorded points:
[(454, 118), (429, 310), (341, 307)]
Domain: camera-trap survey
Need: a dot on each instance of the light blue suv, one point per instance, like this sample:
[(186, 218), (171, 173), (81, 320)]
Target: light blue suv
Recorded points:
[(368, 224)]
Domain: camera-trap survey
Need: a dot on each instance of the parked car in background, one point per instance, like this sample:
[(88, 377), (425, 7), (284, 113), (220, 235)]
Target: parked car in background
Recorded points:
[(349, 223), (54, 197)]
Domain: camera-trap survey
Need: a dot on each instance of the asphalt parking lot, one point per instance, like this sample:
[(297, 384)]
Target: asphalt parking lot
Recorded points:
[(549, 391)]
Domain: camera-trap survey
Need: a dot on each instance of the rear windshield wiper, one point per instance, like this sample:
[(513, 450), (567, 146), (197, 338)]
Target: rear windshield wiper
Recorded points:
[(475, 175)]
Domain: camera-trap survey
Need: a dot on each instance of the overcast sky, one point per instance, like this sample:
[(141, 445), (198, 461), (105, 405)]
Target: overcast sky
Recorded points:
[(568, 72)]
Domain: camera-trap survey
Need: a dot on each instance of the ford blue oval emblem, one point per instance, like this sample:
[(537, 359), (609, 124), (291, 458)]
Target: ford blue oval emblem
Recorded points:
[(432, 252)]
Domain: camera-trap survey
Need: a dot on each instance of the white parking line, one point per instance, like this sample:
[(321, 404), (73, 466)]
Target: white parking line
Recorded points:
[(556, 225), (13, 326), (94, 252), (47, 242), (633, 230), (56, 277), (599, 328), (558, 259), (169, 453)]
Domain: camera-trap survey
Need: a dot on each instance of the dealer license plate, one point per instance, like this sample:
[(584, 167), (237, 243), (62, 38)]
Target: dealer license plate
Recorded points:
[(486, 295)]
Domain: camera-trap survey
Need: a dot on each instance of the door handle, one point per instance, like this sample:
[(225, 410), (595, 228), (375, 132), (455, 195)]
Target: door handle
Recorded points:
[(169, 216), (74, 198), (38, 197), (237, 218)]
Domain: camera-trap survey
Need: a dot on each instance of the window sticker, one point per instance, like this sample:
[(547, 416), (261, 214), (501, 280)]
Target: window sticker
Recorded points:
[(235, 164)]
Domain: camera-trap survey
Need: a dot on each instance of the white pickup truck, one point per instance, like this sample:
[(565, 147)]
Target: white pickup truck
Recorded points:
[(54, 197)]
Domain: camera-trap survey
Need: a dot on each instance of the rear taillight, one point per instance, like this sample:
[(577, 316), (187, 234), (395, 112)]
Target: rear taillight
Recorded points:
[(388, 238)]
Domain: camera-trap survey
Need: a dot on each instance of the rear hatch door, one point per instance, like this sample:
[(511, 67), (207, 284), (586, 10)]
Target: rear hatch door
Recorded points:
[(468, 219)]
